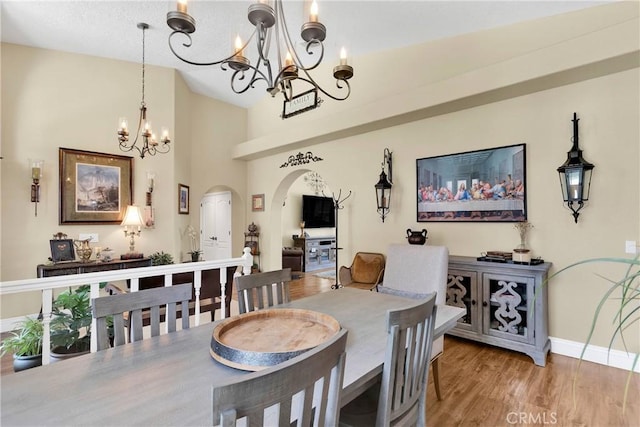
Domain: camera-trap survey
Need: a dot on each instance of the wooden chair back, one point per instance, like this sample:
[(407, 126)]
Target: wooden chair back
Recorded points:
[(256, 291), (131, 305), (267, 397), (405, 374)]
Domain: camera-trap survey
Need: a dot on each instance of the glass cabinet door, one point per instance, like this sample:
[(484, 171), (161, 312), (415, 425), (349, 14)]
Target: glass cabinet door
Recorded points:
[(462, 292), (507, 306)]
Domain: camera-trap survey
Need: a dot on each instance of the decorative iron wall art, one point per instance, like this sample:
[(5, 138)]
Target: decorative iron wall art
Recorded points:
[(301, 159)]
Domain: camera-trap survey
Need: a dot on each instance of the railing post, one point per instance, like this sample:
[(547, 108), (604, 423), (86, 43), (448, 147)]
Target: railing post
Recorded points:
[(223, 293), (95, 293), (248, 261), (197, 285), (47, 307)]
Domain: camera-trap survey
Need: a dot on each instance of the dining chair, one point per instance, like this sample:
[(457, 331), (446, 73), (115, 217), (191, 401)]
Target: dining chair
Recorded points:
[(413, 271), (302, 391), (400, 398), (365, 272), (126, 310), (256, 291)]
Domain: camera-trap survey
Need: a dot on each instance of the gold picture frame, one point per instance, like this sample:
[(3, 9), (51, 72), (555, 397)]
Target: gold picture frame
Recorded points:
[(95, 188)]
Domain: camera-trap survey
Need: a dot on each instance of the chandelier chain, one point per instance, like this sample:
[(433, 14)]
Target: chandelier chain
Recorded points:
[(143, 61)]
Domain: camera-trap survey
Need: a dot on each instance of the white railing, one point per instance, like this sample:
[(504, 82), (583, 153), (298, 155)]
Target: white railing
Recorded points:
[(47, 284)]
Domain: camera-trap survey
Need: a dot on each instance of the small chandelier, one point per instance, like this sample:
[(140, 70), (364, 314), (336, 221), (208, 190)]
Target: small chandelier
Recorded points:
[(149, 142), (289, 69), (383, 187), (575, 176)]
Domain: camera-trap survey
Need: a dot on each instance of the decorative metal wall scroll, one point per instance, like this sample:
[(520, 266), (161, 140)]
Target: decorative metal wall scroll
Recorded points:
[(301, 159)]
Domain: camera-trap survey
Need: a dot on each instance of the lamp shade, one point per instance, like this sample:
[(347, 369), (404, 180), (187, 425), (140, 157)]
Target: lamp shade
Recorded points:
[(132, 217)]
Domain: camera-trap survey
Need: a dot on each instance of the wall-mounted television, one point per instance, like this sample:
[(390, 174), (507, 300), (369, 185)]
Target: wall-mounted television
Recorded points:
[(318, 212)]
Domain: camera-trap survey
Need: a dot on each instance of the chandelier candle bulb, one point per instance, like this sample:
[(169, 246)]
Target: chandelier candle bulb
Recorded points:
[(165, 135), (343, 56), (182, 6), (238, 50), (288, 61), (313, 12), (123, 124)]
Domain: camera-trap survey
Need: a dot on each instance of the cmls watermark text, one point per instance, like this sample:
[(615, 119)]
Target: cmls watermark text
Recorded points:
[(529, 418)]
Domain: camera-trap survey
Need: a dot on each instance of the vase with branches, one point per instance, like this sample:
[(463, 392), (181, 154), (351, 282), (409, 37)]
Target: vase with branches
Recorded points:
[(522, 253)]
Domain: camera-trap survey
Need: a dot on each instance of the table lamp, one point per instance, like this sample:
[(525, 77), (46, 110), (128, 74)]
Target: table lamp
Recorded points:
[(132, 224)]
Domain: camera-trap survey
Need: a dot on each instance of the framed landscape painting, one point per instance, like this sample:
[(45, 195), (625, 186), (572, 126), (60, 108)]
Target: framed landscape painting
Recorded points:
[(95, 188), (475, 186)]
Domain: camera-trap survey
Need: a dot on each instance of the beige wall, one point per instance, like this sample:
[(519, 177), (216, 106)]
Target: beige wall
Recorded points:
[(499, 87), (53, 99), (585, 62)]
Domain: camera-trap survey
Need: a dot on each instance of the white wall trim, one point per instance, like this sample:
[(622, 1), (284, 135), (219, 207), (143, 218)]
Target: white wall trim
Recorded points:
[(601, 355)]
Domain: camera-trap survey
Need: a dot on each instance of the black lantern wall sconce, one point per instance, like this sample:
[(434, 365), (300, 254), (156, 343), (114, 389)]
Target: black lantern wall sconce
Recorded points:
[(383, 187), (575, 176)]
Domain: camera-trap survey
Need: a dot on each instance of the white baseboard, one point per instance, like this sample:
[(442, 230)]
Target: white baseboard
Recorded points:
[(601, 355)]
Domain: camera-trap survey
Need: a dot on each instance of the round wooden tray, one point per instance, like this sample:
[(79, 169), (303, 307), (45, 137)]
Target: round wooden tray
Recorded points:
[(263, 338)]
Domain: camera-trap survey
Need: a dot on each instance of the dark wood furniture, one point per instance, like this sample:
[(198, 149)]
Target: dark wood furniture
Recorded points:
[(292, 258), (65, 268)]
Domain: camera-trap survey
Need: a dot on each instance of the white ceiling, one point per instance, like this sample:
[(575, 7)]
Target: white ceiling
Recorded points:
[(108, 29)]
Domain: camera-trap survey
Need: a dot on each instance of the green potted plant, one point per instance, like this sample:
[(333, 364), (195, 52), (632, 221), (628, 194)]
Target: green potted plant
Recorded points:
[(25, 343), (71, 323), (195, 255), (161, 258)]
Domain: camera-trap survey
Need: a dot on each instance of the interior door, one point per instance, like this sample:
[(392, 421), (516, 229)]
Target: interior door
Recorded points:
[(215, 226)]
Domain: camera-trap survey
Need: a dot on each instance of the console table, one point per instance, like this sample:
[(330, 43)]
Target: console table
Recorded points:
[(319, 252), (65, 268), (506, 304)]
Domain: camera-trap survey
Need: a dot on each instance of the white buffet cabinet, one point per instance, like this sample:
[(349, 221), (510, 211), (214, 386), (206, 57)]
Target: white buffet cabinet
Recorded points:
[(319, 252), (506, 304)]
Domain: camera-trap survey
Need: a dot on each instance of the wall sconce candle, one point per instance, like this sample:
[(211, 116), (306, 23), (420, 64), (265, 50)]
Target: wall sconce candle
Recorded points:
[(149, 220), (575, 176), (36, 175)]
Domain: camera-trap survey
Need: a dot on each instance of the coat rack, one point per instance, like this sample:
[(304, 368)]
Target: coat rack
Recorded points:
[(338, 205)]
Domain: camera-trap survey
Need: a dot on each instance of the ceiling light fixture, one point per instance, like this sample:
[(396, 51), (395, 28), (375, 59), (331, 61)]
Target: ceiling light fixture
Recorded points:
[(290, 68), (149, 142)]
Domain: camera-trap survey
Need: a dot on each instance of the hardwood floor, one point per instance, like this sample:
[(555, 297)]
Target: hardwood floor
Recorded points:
[(488, 386)]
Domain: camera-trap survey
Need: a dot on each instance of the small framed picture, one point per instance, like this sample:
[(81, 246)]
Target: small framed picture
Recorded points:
[(183, 199), (62, 250), (257, 202)]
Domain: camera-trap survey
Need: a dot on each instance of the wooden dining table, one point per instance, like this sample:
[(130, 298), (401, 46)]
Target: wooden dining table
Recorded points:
[(167, 380)]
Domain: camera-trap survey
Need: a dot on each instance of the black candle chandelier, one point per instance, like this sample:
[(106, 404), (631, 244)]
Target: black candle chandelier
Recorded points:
[(150, 144), (383, 187), (575, 176), (270, 26)]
